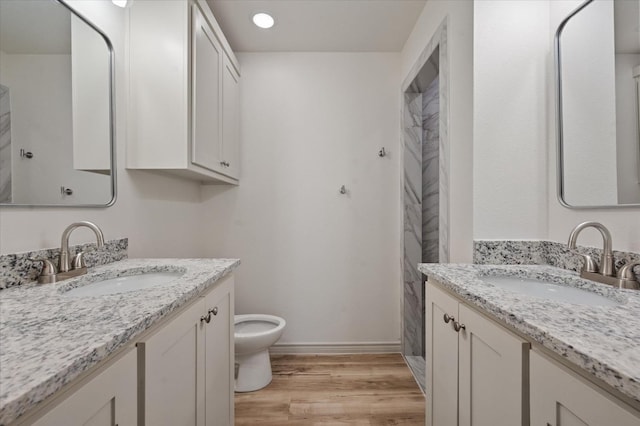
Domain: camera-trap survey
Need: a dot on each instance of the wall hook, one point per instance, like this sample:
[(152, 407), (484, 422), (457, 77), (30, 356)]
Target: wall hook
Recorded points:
[(26, 154), (382, 152), (343, 189)]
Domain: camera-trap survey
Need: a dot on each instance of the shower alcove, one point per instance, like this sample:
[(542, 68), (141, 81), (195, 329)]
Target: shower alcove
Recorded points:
[(425, 192)]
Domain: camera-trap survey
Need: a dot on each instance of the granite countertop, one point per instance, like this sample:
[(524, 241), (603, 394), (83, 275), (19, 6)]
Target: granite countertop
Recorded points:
[(47, 338), (603, 340)]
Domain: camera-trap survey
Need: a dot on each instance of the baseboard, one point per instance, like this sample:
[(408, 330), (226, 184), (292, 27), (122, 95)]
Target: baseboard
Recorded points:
[(335, 348)]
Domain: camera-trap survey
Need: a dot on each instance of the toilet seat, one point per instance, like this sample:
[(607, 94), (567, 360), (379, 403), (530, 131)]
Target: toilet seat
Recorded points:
[(253, 324)]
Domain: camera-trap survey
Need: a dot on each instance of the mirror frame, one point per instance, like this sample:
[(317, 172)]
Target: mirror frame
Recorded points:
[(559, 121), (112, 125)]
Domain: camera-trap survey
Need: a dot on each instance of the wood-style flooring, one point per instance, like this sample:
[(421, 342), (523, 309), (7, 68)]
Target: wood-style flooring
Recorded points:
[(362, 389)]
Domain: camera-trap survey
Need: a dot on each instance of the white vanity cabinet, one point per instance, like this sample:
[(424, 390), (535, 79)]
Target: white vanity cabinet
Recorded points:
[(185, 368), (108, 398), (184, 113), (476, 370), (559, 397)]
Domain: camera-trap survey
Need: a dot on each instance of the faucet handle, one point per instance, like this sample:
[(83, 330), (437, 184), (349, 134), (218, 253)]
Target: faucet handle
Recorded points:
[(626, 271), (78, 261), (48, 272)]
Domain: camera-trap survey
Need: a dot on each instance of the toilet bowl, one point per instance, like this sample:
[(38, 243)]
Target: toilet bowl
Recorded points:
[(254, 334)]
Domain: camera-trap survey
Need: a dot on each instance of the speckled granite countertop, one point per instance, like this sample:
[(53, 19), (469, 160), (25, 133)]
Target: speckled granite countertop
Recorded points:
[(48, 338), (603, 340)]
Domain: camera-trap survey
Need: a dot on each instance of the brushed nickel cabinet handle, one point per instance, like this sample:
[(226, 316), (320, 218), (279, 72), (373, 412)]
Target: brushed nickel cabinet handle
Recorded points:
[(457, 326), (448, 318), (213, 311), (206, 318)]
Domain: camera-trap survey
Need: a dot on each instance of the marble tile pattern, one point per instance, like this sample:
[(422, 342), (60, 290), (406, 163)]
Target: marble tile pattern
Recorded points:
[(16, 269), (413, 83), (431, 172), (443, 152), (412, 223), (433, 61), (601, 340), (47, 339), (532, 252), (5, 145)]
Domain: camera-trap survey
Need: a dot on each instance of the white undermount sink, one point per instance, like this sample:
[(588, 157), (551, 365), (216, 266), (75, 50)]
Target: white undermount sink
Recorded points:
[(546, 290), (125, 284)]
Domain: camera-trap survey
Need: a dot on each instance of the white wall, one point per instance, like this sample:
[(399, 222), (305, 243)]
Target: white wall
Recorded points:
[(160, 215), (327, 263), (460, 45), (510, 129), (515, 119)]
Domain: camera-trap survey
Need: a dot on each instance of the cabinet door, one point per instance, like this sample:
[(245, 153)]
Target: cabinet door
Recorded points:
[(107, 400), (171, 367), (206, 66), (230, 119), (442, 358), (219, 380), (493, 370), (560, 398)]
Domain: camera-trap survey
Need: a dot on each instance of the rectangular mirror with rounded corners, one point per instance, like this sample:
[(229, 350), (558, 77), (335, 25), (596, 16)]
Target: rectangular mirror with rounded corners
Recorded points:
[(57, 131), (597, 56)]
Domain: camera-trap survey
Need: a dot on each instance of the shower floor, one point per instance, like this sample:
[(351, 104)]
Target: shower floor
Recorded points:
[(417, 366)]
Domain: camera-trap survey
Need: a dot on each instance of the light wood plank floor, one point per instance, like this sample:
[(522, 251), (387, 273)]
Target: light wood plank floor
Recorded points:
[(363, 389)]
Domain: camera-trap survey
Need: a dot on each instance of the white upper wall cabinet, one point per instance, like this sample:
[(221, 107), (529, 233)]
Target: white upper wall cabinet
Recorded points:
[(230, 119), (184, 88), (205, 94)]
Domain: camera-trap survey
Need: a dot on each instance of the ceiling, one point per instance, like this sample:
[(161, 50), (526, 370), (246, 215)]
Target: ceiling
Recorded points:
[(34, 27), (318, 25)]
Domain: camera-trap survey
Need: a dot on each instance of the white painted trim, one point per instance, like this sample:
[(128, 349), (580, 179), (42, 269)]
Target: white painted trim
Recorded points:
[(335, 348)]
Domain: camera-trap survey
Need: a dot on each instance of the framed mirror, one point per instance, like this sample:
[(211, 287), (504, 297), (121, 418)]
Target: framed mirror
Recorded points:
[(57, 131), (597, 55)]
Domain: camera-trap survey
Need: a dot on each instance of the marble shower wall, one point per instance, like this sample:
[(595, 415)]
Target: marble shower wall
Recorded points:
[(5, 145), (426, 180), (421, 196), (413, 288), (431, 172)]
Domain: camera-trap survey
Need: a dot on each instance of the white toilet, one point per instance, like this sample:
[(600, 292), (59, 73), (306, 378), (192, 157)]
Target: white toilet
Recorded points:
[(254, 334)]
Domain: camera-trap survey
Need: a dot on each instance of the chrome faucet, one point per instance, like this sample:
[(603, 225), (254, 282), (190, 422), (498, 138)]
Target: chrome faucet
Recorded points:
[(68, 268), (606, 273), (606, 263), (65, 264)]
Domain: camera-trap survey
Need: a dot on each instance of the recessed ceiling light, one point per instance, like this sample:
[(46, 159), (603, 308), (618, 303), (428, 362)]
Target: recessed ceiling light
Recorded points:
[(263, 20), (120, 3)]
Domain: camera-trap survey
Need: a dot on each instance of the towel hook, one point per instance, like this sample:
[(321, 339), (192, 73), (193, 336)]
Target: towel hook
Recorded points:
[(343, 189), (382, 152)]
